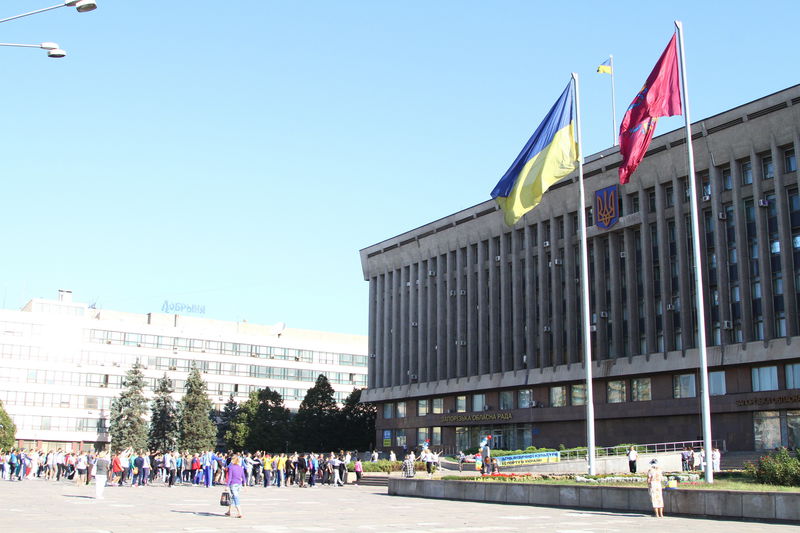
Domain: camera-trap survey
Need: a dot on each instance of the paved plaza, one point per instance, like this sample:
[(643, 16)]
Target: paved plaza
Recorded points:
[(36, 505)]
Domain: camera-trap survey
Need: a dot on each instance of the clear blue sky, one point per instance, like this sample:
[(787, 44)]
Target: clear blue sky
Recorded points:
[(238, 154)]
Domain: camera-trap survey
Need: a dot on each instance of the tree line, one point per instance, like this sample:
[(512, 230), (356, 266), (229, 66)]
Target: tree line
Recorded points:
[(262, 422)]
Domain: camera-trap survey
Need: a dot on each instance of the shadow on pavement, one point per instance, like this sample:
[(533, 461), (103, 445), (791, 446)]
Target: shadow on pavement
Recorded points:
[(200, 513)]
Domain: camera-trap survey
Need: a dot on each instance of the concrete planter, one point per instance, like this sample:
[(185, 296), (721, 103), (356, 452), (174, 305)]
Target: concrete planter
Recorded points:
[(784, 506)]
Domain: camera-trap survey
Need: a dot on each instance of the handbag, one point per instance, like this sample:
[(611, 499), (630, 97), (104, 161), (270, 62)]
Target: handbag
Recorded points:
[(225, 498)]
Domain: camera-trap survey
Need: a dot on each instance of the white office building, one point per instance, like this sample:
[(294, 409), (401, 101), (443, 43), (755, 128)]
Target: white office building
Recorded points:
[(62, 364)]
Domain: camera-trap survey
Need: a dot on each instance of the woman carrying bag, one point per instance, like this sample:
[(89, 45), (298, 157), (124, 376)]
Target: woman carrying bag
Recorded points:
[(234, 481)]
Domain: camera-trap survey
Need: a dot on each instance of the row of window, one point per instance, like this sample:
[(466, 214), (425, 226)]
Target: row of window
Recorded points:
[(19, 329), (55, 423), (225, 348), (400, 437), (47, 399), (764, 378)]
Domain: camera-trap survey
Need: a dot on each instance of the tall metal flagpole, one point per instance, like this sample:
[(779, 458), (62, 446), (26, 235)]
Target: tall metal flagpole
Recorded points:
[(698, 278), (613, 105), (587, 337)]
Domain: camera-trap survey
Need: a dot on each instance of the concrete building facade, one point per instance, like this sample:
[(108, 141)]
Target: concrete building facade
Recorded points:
[(62, 364), (475, 327)]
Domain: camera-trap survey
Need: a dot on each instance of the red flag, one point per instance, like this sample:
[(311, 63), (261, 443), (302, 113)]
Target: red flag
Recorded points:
[(660, 97)]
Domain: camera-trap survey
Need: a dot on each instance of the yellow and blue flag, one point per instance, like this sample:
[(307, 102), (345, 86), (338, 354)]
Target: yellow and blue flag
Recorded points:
[(605, 67), (549, 155)]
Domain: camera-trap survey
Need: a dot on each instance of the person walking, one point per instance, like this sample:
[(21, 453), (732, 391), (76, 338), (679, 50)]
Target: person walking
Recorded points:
[(358, 468), (654, 485), (101, 468), (234, 481), (632, 456)]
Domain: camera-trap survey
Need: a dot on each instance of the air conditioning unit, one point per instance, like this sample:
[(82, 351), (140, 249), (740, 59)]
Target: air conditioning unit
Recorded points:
[(622, 255), (558, 262), (727, 324), (670, 307), (603, 314), (414, 324), (452, 293), (592, 328), (416, 282), (722, 215), (706, 197), (408, 283), (413, 377), (462, 292), (546, 244), (431, 272), (546, 329), (372, 356), (497, 258), (173, 368), (763, 202)]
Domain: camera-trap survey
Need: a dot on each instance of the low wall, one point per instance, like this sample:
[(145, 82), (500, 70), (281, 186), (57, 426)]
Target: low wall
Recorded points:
[(783, 506)]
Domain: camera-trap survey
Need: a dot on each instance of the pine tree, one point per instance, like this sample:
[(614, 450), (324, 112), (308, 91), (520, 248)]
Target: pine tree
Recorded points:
[(269, 428), (315, 425), (7, 429), (197, 430), (357, 426), (128, 427), (238, 431), (164, 418), (227, 417)]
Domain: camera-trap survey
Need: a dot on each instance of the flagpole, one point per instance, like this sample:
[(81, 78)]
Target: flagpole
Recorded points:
[(587, 336), (698, 278), (613, 106)]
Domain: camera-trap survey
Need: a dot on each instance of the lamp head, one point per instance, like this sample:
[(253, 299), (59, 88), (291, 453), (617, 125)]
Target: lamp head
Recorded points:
[(56, 53), (83, 6)]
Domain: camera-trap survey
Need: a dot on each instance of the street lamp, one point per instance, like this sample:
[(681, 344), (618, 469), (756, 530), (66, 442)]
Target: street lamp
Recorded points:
[(82, 6), (53, 49)]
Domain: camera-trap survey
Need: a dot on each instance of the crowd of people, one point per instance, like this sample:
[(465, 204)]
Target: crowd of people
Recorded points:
[(696, 460)]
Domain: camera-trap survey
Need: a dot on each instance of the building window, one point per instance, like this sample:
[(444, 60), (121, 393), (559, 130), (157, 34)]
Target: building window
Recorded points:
[(793, 376), (683, 386), (558, 396), (400, 437), (388, 410), (478, 402), (765, 378), (436, 436), (746, 169), (506, 400), (422, 407), (401, 409), (422, 436), (789, 161), (616, 391), (524, 399), (438, 406), (461, 404), (640, 390), (716, 383), (578, 394), (767, 168)]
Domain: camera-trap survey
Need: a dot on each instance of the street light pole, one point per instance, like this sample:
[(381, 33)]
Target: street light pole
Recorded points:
[(82, 6), (53, 50)]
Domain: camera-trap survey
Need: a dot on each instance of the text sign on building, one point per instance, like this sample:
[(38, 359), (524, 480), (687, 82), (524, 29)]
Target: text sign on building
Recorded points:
[(529, 458), (387, 437), (606, 206), (179, 307)]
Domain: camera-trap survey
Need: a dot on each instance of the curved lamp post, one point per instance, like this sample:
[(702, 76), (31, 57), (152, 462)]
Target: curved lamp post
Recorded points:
[(82, 6), (53, 50)]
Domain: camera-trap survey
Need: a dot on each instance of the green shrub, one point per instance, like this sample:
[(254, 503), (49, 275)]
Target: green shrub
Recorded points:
[(780, 468)]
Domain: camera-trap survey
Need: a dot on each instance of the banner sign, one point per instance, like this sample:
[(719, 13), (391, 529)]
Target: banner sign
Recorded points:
[(529, 458), (387, 438)]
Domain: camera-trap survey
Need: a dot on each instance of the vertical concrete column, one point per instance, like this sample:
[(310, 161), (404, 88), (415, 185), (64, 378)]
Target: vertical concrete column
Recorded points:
[(572, 294), (461, 301), (530, 301), (386, 357), (615, 307), (396, 331), (405, 327), (413, 320), (371, 333), (483, 308), (431, 326), (688, 304), (601, 305), (631, 287), (452, 296), (742, 248), (506, 305), (785, 239), (762, 238), (377, 356), (721, 249), (517, 298), (494, 305), (422, 322), (441, 317), (543, 355), (667, 329), (557, 292), (472, 309)]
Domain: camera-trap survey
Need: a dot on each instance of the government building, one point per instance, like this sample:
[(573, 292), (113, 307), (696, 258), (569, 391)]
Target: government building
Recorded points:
[(475, 327), (62, 364)]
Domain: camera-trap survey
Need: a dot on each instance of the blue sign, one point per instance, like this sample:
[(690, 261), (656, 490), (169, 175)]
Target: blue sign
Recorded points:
[(606, 206), (529, 458), (177, 307)]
